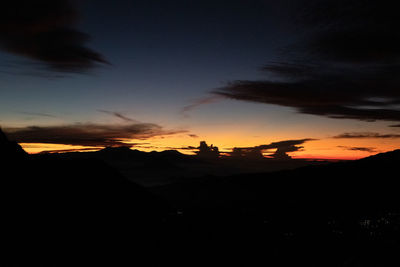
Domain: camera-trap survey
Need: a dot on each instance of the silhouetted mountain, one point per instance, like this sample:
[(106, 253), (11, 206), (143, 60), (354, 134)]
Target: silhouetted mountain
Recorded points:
[(158, 168), (120, 152), (387, 157), (81, 212), (342, 176), (73, 209), (340, 214), (10, 149), (169, 154)]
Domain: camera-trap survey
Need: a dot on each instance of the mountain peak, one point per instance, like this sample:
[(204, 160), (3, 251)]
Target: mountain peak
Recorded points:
[(10, 149), (390, 155), (116, 149)]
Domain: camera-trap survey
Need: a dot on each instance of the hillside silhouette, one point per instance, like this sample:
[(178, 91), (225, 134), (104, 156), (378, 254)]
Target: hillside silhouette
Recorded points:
[(165, 167), (63, 210), (338, 214)]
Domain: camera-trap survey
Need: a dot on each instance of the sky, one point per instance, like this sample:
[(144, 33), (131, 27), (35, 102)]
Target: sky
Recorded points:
[(159, 75)]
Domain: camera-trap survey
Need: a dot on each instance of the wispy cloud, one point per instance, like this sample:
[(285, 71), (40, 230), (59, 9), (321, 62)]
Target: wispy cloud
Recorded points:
[(118, 115), (200, 102), (345, 67), (86, 134), (44, 30), (69, 150), (361, 135), (191, 148), (281, 148), (363, 149), (39, 114)]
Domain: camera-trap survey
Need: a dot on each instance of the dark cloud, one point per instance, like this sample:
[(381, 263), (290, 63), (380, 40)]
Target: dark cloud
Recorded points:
[(193, 135), (24, 68), (118, 115), (39, 114), (43, 30), (367, 94), (348, 67), (192, 148), (87, 134), (395, 125), (199, 102), (282, 148), (363, 149), (286, 143), (358, 135), (67, 150), (207, 151), (353, 31), (188, 148)]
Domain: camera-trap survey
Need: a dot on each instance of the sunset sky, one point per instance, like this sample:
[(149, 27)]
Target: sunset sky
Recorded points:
[(163, 75)]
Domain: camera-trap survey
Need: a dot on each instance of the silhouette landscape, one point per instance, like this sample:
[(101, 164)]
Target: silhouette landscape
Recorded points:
[(139, 133), (77, 209)]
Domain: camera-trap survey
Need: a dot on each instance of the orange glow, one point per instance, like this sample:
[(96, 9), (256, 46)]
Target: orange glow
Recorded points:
[(328, 158), (34, 148), (328, 148)]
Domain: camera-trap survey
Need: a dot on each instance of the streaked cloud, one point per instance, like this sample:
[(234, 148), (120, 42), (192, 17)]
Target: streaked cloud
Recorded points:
[(68, 150), (361, 135), (345, 66), (45, 31), (281, 149), (200, 102), (363, 149), (118, 115), (87, 134), (39, 114)]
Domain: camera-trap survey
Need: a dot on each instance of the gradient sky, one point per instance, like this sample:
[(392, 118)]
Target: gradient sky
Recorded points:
[(166, 57)]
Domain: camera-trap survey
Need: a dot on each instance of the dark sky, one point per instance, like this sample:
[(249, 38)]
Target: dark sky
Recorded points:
[(182, 66)]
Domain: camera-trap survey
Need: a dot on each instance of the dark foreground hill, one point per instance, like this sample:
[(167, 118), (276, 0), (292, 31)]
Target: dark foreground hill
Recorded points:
[(341, 214), (58, 212), (81, 212), (159, 168)]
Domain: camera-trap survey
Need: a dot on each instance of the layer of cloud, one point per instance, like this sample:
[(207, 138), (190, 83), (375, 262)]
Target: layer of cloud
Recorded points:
[(39, 114), (361, 135), (363, 149), (199, 102), (88, 134), (347, 66), (69, 150), (353, 31), (281, 149), (118, 115), (43, 30), (191, 148)]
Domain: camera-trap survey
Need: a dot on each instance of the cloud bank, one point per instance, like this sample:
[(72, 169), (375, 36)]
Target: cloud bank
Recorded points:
[(199, 102), (346, 67), (358, 135), (118, 115), (282, 148), (363, 149), (43, 30), (87, 134)]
